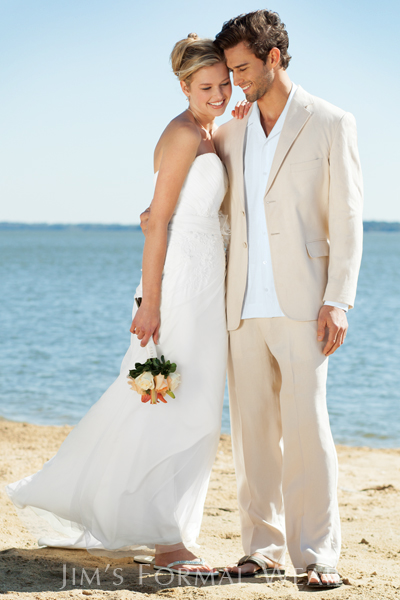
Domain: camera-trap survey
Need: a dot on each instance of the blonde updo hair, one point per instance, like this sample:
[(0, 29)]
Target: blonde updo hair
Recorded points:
[(193, 53)]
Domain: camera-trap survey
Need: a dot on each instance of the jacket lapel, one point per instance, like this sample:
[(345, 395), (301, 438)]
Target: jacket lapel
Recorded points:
[(297, 116)]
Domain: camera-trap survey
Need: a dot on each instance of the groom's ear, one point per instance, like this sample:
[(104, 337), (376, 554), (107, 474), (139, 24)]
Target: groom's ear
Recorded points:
[(274, 57)]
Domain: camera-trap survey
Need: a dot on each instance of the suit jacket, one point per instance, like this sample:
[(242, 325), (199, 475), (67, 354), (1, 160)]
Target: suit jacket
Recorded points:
[(313, 208)]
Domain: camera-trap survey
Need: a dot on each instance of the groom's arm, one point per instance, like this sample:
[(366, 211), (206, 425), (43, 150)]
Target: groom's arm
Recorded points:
[(345, 214), (345, 233)]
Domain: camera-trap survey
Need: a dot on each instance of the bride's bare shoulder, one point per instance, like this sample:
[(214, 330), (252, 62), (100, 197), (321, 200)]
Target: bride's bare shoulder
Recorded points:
[(181, 130)]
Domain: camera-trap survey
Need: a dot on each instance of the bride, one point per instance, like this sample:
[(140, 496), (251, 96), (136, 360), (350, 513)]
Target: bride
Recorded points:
[(130, 474)]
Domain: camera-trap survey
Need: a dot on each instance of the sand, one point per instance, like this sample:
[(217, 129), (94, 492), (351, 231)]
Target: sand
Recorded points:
[(369, 496)]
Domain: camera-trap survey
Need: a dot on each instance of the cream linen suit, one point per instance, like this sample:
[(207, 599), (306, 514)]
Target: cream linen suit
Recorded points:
[(284, 454)]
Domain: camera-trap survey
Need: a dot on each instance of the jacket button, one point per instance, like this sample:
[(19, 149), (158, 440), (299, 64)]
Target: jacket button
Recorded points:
[(243, 213), (244, 245)]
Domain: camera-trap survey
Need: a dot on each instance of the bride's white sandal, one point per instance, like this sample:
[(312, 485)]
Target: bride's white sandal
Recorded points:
[(149, 560), (197, 561), (142, 559)]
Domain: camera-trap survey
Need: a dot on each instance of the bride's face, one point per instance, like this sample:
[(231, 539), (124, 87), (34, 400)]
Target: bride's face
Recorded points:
[(209, 91)]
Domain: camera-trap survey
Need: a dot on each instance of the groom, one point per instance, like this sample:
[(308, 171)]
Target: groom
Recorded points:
[(294, 205)]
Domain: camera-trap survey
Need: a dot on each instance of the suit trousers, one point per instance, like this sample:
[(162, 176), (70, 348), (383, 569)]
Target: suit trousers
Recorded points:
[(285, 458)]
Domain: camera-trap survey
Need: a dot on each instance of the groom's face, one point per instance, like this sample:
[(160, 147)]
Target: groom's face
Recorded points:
[(249, 72)]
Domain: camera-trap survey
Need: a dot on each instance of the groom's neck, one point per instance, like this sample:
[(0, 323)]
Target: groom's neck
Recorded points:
[(273, 102)]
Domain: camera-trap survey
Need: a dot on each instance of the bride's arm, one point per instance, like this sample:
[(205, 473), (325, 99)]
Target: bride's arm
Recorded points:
[(179, 151)]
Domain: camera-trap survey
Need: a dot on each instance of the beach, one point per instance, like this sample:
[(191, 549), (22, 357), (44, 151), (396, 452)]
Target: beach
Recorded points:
[(369, 499)]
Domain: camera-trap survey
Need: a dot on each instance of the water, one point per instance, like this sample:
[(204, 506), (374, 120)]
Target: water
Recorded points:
[(66, 302)]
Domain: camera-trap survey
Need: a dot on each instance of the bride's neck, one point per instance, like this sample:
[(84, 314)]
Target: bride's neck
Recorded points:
[(206, 123)]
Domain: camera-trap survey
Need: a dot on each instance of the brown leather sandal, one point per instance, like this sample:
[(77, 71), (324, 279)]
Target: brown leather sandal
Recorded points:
[(323, 570), (256, 560)]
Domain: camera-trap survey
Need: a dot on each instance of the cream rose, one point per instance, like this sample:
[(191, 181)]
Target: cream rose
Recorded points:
[(173, 381), (145, 381), (161, 384), (133, 385)]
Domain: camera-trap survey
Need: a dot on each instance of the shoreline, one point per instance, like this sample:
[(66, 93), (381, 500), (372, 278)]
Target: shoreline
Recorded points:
[(369, 503)]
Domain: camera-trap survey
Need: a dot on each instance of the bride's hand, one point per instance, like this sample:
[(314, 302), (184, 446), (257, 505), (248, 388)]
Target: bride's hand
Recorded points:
[(146, 324), (241, 109)]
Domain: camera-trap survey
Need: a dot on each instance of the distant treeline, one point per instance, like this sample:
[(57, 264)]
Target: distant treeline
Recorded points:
[(368, 226), (381, 226)]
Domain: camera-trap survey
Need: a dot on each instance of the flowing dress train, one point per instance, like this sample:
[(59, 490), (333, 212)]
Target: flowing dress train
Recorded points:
[(131, 474)]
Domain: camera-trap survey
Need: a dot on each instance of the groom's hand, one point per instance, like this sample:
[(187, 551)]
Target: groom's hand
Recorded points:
[(334, 320), (144, 220)]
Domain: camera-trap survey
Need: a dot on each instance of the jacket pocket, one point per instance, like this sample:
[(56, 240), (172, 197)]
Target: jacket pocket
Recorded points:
[(318, 248), (307, 165)]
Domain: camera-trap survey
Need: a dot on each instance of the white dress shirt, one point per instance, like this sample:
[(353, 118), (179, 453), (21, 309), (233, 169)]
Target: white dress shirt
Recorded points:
[(260, 298)]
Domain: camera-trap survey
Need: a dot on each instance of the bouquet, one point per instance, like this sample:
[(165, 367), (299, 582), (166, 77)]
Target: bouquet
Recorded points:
[(154, 379)]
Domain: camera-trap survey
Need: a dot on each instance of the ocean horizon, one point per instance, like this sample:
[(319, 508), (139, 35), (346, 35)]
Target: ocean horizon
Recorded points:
[(387, 226)]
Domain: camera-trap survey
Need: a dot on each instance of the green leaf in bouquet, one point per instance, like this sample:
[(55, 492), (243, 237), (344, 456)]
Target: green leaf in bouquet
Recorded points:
[(155, 366)]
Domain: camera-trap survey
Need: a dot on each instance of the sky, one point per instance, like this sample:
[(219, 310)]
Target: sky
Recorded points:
[(86, 89)]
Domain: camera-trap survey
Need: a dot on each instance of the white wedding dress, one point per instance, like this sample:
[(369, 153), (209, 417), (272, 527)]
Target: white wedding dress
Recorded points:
[(130, 474)]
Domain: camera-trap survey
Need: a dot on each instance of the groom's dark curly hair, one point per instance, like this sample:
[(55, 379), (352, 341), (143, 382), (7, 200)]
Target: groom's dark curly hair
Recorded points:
[(260, 30)]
